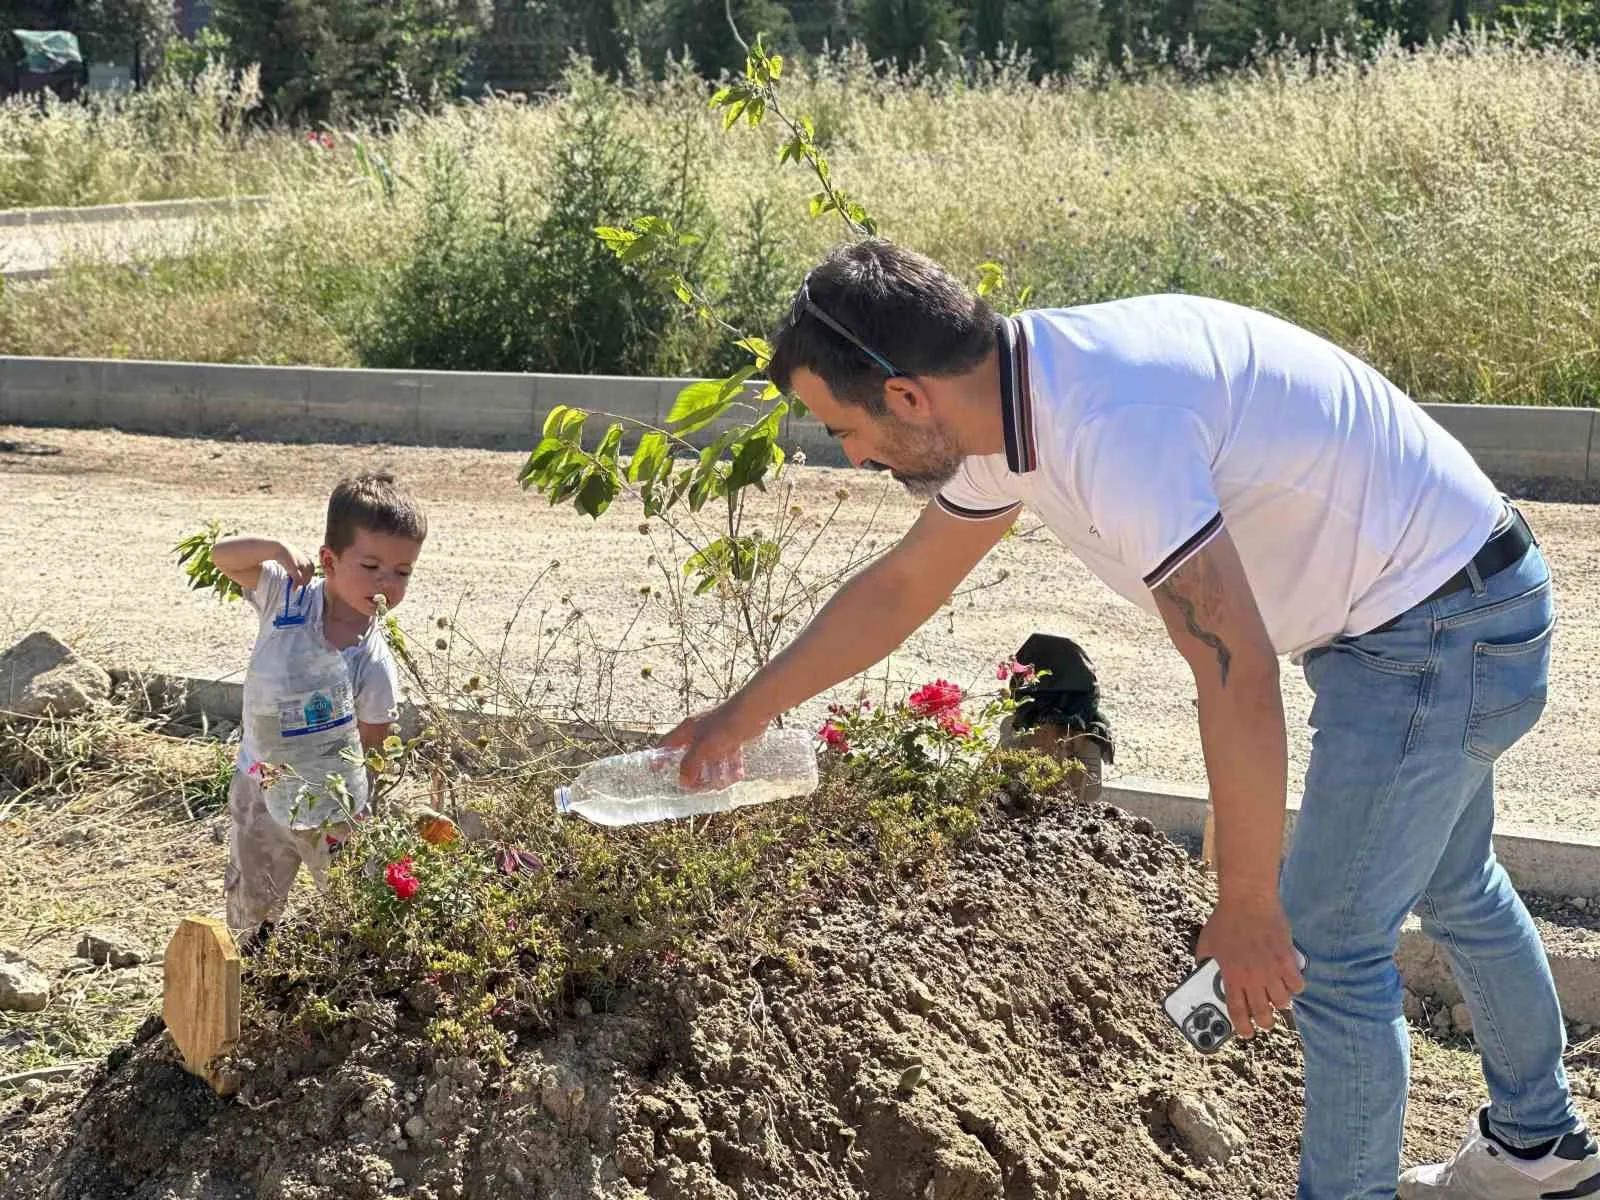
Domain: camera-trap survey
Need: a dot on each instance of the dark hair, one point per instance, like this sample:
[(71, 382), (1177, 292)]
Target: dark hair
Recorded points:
[(907, 310), (376, 503)]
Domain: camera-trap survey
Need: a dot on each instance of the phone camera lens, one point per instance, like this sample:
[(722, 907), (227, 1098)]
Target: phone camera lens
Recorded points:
[(1206, 1041), (1218, 1028)]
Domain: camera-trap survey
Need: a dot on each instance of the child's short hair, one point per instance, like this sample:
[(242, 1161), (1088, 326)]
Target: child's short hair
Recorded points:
[(376, 503)]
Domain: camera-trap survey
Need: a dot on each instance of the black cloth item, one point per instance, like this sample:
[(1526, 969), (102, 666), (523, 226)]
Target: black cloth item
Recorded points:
[(1064, 693)]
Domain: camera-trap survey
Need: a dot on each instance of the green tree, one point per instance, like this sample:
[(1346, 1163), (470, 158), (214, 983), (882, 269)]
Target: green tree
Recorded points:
[(1056, 32), (1575, 22), (121, 31), (905, 30), (701, 28), (985, 22), (329, 59)]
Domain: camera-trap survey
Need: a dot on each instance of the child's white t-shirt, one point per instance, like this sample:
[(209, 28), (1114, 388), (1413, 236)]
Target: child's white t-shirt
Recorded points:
[(374, 680)]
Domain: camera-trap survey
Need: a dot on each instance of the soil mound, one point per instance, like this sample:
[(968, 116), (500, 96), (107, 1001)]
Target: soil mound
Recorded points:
[(996, 1033)]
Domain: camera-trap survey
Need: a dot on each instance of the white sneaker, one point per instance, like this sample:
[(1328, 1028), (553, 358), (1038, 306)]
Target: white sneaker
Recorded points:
[(1483, 1169)]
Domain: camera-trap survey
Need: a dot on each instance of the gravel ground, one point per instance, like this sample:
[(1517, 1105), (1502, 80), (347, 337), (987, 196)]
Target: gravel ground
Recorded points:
[(87, 535)]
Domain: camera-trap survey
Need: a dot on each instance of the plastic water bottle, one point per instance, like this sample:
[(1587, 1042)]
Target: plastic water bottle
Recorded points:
[(628, 789)]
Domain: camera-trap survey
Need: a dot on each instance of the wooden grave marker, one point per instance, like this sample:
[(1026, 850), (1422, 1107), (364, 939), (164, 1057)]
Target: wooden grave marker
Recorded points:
[(200, 997)]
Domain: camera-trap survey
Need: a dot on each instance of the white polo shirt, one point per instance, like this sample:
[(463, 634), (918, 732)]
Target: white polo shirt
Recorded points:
[(1140, 428)]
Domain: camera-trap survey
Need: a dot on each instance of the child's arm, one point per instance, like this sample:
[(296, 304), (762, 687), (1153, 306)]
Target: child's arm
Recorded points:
[(240, 559)]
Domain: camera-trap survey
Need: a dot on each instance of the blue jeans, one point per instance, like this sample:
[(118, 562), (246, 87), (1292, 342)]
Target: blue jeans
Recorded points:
[(1398, 811)]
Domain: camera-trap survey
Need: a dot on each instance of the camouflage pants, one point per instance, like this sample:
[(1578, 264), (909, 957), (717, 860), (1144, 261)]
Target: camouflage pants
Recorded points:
[(265, 856)]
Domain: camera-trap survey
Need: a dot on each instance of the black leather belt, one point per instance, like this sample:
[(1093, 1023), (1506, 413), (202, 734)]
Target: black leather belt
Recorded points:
[(1505, 548)]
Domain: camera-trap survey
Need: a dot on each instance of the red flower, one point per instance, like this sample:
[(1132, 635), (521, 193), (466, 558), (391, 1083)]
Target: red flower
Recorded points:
[(1006, 670), (834, 737), (327, 141), (936, 699), (954, 725), (399, 877)]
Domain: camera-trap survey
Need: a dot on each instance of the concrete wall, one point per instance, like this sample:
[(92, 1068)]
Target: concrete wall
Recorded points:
[(506, 411), (141, 210)]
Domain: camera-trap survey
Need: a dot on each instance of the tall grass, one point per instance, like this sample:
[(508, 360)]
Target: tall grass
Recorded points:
[(1435, 211)]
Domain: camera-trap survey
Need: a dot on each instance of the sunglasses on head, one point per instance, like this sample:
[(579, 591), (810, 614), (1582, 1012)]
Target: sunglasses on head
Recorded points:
[(803, 304)]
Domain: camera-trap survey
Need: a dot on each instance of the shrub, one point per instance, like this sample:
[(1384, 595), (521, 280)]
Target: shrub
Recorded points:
[(511, 278)]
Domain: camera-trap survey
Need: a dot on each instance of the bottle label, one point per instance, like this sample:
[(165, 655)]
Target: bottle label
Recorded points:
[(316, 712)]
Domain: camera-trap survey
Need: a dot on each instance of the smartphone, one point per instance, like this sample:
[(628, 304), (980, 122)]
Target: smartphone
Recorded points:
[(1199, 1009)]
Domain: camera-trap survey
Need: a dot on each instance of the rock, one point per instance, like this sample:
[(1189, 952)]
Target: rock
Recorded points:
[(43, 676), (1206, 1127), (1413, 1006), (1581, 903), (23, 988), (909, 1079), (1441, 1021), (1461, 1018), (101, 946), (415, 1128), (919, 999), (582, 1008)]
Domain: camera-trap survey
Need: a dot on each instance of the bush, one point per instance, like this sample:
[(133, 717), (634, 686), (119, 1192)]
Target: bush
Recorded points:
[(512, 277)]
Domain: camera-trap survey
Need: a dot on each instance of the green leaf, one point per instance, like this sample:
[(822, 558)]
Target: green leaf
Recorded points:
[(720, 97), (772, 423), (648, 457), (991, 275), (734, 384), (821, 203), (701, 489), (714, 451), (552, 423), (759, 348), (618, 241), (775, 66), (735, 111), (697, 406), (572, 422), (680, 289), (751, 463), (598, 491), (607, 450)]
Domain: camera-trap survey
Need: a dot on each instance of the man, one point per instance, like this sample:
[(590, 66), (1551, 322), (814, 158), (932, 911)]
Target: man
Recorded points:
[(1263, 493)]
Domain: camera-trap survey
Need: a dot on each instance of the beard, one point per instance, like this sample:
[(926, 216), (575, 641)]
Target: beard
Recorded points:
[(929, 459)]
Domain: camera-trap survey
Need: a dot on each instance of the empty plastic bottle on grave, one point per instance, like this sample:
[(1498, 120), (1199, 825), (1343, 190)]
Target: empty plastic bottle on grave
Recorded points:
[(629, 789)]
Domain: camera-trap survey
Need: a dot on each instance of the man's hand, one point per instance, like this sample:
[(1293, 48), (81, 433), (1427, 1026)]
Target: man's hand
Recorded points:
[(301, 566), (715, 742), (1251, 943)]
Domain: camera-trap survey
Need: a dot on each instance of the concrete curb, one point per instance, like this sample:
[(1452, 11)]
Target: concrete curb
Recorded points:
[(507, 411), (134, 210), (1536, 859)]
